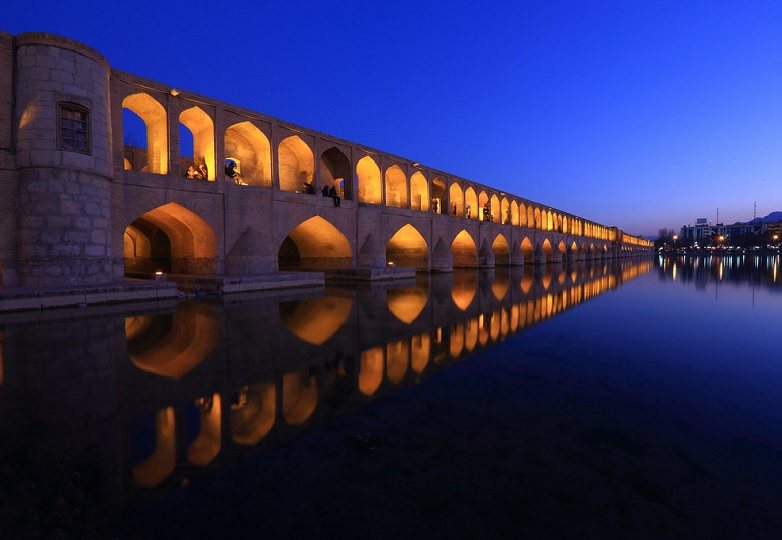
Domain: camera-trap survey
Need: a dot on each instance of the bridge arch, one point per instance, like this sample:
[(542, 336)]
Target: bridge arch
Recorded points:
[(248, 145), (494, 207), (456, 198), (396, 187), (201, 126), (369, 184), (419, 192), (471, 200), (335, 170), (296, 162), (155, 119), (314, 244), (171, 239), (528, 250), (408, 248), (464, 251), (439, 196), (501, 251)]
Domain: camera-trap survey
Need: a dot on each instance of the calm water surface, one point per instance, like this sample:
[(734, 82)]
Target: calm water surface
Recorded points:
[(638, 399)]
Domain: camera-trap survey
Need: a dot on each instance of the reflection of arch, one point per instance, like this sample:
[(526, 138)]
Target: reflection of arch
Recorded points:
[(464, 250), (206, 445), (316, 243), (397, 355), (172, 344), (156, 468), (419, 192), (408, 248), (252, 417), (299, 396), (335, 171), (420, 349), (396, 187), (471, 334), (500, 286), (171, 238), (370, 373), (369, 185), (456, 199), (154, 116), (201, 126), (406, 303), (251, 147), (296, 162), (315, 320), (464, 289), (457, 340)]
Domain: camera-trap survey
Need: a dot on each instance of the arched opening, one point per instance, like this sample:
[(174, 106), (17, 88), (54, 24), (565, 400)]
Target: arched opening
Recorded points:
[(471, 200), (464, 251), (439, 196), (494, 207), (201, 126), (369, 185), (547, 250), (171, 239), (484, 207), (419, 192), (538, 222), (522, 215), (297, 164), (396, 187), (501, 251), (408, 248), (248, 146), (315, 244), (335, 171), (456, 198), (531, 217), (528, 250), (145, 134)]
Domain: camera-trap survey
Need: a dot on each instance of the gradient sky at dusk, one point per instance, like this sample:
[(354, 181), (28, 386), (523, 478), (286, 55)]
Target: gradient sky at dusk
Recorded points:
[(640, 114)]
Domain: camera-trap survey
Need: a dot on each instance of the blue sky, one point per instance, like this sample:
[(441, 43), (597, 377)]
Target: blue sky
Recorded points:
[(639, 114)]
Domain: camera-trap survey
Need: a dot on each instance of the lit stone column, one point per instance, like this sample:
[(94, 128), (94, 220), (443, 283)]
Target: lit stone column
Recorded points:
[(64, 159)]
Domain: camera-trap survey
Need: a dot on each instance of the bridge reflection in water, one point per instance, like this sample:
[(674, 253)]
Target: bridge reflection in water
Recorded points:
[(146, 402), (252, 371)]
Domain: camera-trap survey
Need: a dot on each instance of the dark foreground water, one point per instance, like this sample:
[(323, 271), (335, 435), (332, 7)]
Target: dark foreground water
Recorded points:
[(638, 399)]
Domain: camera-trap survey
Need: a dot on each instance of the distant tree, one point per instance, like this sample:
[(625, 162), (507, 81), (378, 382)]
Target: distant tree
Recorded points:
[(664, 238)]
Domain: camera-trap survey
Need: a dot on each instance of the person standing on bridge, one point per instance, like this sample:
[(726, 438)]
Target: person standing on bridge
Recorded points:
[(333, 195)]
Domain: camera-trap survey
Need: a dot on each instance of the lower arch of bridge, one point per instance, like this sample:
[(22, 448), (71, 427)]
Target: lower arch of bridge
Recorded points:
[(501, 251), (171, 239), (464, 251), (408, 248), (528, 250), (315, 244)]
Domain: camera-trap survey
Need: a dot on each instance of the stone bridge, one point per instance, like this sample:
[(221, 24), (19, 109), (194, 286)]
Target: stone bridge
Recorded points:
[(85, 204)]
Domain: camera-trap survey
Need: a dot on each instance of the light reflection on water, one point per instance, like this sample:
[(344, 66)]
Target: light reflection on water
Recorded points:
[(125, 409)]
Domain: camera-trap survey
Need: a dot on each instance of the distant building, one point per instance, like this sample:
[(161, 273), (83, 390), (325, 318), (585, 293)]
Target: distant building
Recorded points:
[(703, 229)]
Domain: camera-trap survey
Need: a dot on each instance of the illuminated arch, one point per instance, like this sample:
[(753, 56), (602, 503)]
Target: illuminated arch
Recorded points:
[(201, 126), (464, 251), (514, 213), (335, 170), (249, 146), (531, 217), (439, 196), (408, 248), (315, 243), (483, 199), (296, 162), (396, 187), (456, 198), (153, 114), (547, 249), (549, 221), (523, 215), (494, 208), (369, 184), (419, 192), (501, 251), (170, 238), (538, 221), (471, 210)]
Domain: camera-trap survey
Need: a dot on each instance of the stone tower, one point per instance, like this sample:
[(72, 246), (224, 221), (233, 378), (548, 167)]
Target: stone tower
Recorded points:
[(63, 158)]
